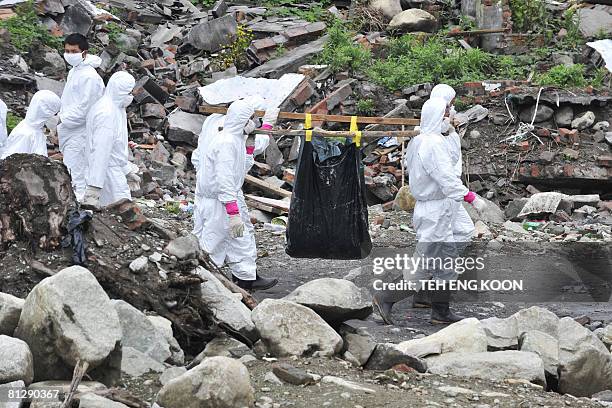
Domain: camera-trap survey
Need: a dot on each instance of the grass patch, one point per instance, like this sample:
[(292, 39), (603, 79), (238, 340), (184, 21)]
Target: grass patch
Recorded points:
[(27, 31), (234, 54), (114, 31), (341, 54), (12, 121), (572, 76), (315, 11), (365, 107)]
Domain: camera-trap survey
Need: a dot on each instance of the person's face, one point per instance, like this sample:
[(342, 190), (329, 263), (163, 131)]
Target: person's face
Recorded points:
[(74, 49)]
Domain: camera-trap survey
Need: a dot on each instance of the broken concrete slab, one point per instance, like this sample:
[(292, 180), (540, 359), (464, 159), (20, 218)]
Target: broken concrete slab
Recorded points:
[(76, 19), (164, 33), (213, 35), (593, 22), (184, 127)]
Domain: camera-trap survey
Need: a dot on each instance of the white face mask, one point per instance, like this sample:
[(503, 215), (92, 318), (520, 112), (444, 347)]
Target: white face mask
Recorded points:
[(126, 101), (74, 59)]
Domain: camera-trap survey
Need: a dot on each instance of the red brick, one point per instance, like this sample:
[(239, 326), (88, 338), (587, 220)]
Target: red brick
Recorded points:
[(604, 160), (543, 132), (568, 170), (289, 175), (535, 170), (147, 64), (304, 91), (187, 103), (563, 132)]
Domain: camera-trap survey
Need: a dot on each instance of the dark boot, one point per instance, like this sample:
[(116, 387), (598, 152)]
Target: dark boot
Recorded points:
[(258, 284), (383, 308), (384, 300), (440, 309), (421, 300)]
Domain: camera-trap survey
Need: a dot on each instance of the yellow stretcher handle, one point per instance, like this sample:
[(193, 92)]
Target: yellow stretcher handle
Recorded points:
[(309, 135), (355, 129)]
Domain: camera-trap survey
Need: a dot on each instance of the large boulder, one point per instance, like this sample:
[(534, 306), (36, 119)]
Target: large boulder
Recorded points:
[(498, 365), (15, 361), (66, 318), (585, 364), (135, 363), (389, 8), (593, 22), (335, 300), (501, 333), (10, 310), (164, 326), (139, 333), (219, 382), (288, 328), (225, 308), (465, 336), (545, 346), (413, 20)]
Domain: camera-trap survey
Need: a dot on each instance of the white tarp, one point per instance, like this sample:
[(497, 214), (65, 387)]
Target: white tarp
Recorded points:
[(604, 48), (273, 91)]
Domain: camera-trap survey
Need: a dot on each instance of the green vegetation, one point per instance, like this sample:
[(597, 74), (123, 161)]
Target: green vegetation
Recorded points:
[(365, 107), (26, 30), (234, 54), (204, 3), (571, 22), (280, 50), (565, 76), (114, 30), (528, 15), (12, 120), (316, 11), (341, 54)]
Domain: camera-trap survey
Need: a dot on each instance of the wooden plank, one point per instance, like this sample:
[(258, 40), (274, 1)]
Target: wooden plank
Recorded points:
[(366, 134), (322, 118), (267, 187), (278, 205)]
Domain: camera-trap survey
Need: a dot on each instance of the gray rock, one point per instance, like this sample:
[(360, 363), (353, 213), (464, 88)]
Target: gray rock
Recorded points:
[(170, 374), (225, 307), (564, 116), (585, 364), (164, 326), (66, 318), (335, 300), (139, 333), (502, 334), (492, 214), (213, 35), (499, 365), (537, 318), (474, 134), (593, 22), (545, 346), (466, 335), (219, 382), (10, 310), (562, 59), (606, 336), (360, 347), (605, 396), (76, 19), (135, 363), (292, 375), (387, 355), (222, 345), (603, 126), (15, 361), (514, 207), (164, 172), (413, 20), (184, 127), (288, 328), (139, 265), (15, 386), (609, 138), (544, 114), (584, 121), (91, 400), (389, 8), (185, 247)]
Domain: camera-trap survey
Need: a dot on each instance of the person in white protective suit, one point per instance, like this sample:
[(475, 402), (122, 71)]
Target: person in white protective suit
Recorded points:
[(107, 144), (3, 130), (28, 136), (221, 217), (84, 87), (462, 225), (437, 190)]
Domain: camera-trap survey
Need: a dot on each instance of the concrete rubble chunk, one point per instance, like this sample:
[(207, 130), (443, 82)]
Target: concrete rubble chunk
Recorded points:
[(15, 361), (213, 35), (499, 365), (184, 127), (413, 20), (140, 333), (225, 307), (492, 214), (349, 385), (593, 22), (66, 318), (466, 335), (219, 382), (10, 310), (545, 346), (335, 300), (585, 364), (584, 121), (76, 19), (288, 328), (361, 347), (185, 247)]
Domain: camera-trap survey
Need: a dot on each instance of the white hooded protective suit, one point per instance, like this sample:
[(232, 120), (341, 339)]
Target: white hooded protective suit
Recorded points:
[(463, 227), (221, 165), (28, 136), (3, 131), (107, 140), (83, 89)]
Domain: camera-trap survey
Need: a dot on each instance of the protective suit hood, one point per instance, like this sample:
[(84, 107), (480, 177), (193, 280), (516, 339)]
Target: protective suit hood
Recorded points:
[(44, 105), (443, 91), (92, 60), (119, 86), (432, 116), (238, 114)]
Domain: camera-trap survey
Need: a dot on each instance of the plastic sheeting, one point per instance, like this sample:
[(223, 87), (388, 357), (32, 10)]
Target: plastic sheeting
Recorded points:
[(78, 220), (273, 91), (328, 216)]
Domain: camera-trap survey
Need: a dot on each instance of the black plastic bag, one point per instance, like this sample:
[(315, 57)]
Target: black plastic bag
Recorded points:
[(78, 221), (328, 217)]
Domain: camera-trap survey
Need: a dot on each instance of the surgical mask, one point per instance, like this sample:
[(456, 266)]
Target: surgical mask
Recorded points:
[(73, 59), (249, 127), (126, 101)]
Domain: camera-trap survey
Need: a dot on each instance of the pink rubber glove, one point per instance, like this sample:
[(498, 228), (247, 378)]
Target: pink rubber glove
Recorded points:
[(266, 126), (469, 197), (231, 208), (250, 150)]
